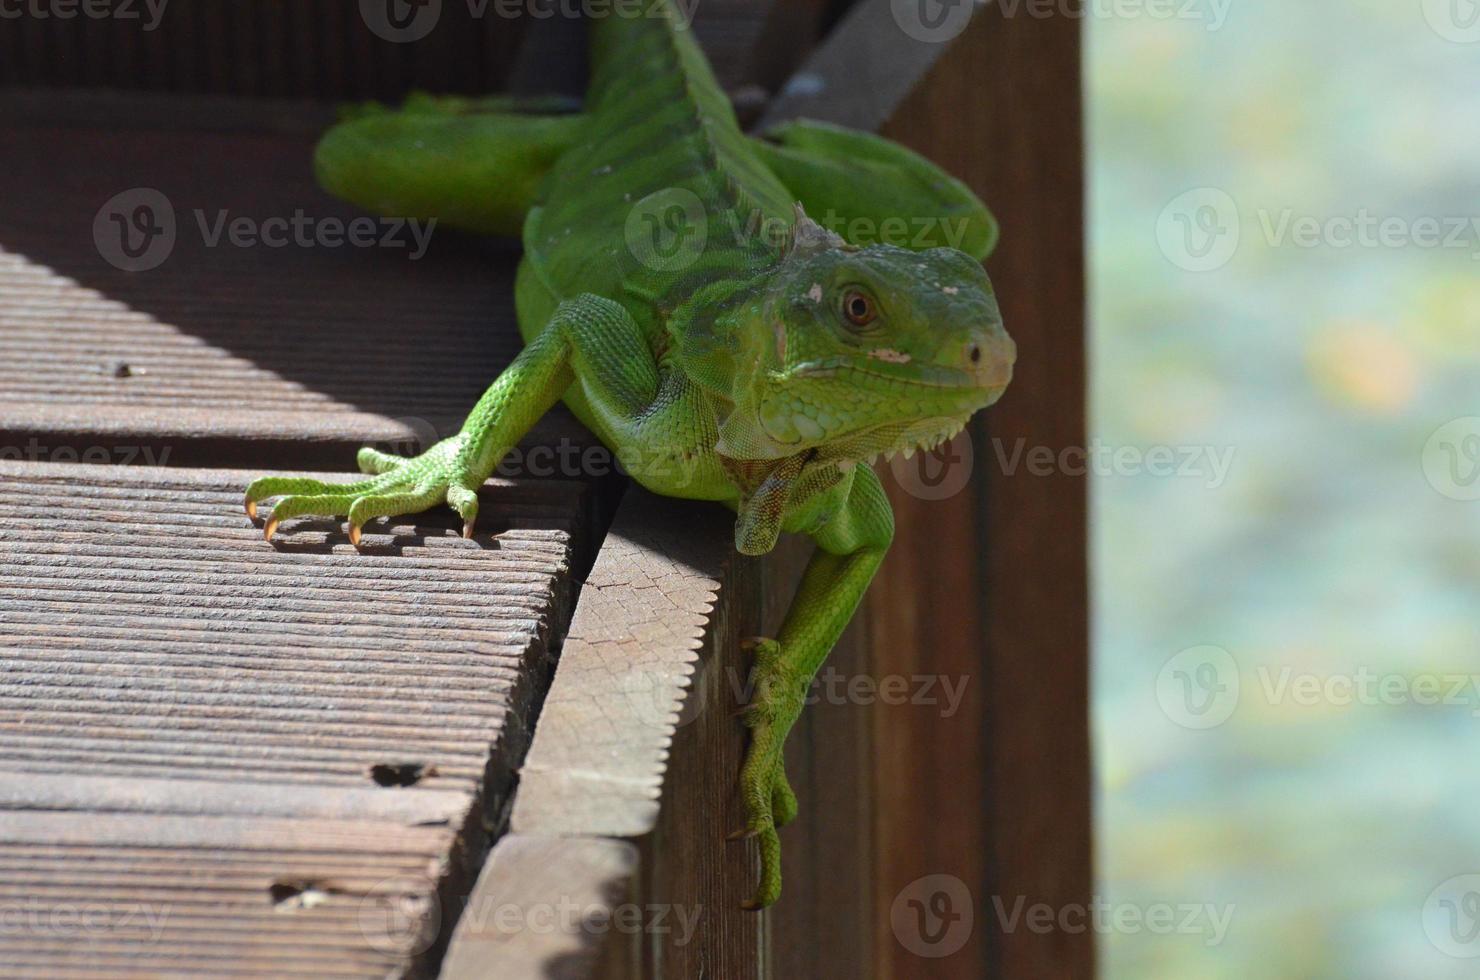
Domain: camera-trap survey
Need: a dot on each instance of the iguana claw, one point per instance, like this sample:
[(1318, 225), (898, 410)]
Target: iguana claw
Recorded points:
[(399, 486), (767, 795)]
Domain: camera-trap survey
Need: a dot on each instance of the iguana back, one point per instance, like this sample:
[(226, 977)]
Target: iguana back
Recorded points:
[(660, 168)]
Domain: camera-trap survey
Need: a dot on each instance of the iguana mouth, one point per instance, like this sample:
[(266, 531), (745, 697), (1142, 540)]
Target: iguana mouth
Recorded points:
[(924, 375)]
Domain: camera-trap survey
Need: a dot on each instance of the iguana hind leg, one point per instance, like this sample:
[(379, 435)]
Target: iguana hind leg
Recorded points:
[(472, 164), (871, 190)]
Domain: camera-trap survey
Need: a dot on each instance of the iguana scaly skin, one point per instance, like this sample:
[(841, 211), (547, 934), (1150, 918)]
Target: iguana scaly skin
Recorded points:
[(674, 292)]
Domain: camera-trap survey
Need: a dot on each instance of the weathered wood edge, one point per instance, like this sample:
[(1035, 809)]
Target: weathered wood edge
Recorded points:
[(542, 908), (644, 683), (634, 644)]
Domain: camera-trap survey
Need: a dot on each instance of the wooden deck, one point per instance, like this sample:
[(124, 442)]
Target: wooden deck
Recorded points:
[(220, 757)]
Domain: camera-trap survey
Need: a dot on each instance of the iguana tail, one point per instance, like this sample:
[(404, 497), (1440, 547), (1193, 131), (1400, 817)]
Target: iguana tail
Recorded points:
[(473, 164)]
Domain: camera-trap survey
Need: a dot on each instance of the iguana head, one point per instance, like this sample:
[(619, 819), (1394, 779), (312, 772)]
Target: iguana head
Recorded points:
[(856, 352)]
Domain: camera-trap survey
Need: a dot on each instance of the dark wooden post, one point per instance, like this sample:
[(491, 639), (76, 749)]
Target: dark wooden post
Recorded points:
[(913, 807), (999, 795)]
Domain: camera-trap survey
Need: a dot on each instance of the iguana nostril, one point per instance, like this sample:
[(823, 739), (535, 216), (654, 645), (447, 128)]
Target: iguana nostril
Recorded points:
[(975, 353)]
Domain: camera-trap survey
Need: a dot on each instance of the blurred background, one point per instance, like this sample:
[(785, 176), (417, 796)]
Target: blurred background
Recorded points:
[(1285, 307)]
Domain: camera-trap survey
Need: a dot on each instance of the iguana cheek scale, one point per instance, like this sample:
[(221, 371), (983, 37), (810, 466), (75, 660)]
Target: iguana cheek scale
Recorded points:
[(719, 360)]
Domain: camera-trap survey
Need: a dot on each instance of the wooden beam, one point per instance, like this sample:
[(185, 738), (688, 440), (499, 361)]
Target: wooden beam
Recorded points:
[(999, 795), (641, 713), (985, 589)]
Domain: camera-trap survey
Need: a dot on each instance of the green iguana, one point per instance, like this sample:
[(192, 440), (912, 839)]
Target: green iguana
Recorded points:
[(675, 292)]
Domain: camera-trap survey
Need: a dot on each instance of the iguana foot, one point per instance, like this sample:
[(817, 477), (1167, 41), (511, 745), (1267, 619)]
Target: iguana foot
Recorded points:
[(764, 790), (399, 486)]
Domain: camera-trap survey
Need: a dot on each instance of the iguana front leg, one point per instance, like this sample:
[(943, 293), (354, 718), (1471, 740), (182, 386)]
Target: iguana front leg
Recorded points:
[(590, 336), (849, 550)]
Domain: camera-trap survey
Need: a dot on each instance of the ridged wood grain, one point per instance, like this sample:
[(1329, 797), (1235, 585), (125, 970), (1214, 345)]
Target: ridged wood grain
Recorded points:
[(200, 724), (245, 353)]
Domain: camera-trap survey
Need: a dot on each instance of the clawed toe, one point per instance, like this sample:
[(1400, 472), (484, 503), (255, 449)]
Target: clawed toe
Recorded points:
[(399, 486)]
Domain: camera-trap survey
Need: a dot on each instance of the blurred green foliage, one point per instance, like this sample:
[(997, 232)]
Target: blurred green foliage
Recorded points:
[(1326, 363)]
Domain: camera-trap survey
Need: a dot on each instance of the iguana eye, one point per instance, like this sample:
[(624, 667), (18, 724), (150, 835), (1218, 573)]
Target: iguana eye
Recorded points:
[(859, 308)]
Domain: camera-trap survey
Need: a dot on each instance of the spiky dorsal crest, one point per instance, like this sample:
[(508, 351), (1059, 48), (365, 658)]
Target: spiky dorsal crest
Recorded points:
[(808, 237)]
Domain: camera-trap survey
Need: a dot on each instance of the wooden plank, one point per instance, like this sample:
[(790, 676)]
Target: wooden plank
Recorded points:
[(243, 50), (629, 657), (227, 354), (123, 895), (210, 654), (195, 717), (643, 706), (545, 908)]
